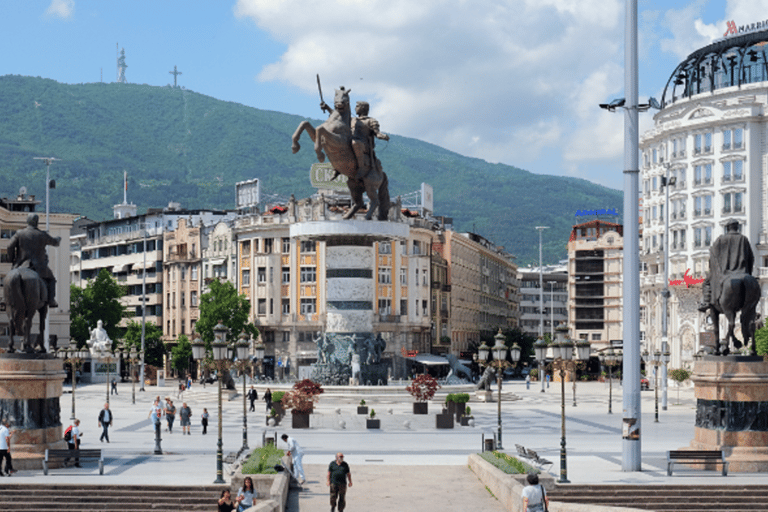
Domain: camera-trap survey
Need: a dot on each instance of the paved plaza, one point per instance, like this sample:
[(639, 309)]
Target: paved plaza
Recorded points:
[(398, 462)]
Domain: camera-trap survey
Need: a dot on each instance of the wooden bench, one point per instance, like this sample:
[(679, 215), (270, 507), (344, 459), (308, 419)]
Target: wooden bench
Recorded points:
[(696, 457), (521, 451), (62, 456)]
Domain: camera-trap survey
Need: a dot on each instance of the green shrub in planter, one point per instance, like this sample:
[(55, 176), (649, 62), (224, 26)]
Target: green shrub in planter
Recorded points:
[(277, 396)]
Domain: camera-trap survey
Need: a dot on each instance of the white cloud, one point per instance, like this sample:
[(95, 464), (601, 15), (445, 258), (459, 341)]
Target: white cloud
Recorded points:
[(61, 9), (507, 81)]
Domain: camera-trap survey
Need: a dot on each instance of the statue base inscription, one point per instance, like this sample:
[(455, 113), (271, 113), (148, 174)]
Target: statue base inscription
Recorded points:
[(732, 410), (30, 389)]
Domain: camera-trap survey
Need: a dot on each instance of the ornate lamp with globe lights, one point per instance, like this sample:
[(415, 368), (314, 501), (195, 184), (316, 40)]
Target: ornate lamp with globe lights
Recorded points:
[(242, 348), (499, 362), (568, 357)]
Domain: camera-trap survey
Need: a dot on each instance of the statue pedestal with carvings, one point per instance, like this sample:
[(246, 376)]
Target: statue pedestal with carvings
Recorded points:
[(732, 410), (30, 389)]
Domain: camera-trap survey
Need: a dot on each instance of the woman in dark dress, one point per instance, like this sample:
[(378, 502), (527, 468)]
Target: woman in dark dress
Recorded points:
[(225, 502), (268, 399)]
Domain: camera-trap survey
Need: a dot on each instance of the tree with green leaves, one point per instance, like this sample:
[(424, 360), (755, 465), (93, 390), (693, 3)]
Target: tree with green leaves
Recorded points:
[(99, 300), (181, 354), (154, 348), (761, 339), (679, 375), (223, 304)]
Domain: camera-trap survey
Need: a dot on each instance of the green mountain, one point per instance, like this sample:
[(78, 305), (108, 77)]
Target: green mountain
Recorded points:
[(178, 145)]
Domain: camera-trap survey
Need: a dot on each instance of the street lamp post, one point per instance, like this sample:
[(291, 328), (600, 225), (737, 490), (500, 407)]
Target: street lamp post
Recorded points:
[(540, 347), (499, 362), (654, 360), (610, 359), (567, 358), (132, 356), (74, 358), (259, 350), (106, 355), (242, 364), (220, 359)]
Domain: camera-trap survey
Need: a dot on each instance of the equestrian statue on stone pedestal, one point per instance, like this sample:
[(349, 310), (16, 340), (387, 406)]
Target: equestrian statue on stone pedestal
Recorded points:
[(349, 144), (729, 288), (30, 286)]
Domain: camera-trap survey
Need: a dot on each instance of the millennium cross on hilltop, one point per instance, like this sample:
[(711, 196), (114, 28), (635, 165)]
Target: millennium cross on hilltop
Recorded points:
[(175, 73)]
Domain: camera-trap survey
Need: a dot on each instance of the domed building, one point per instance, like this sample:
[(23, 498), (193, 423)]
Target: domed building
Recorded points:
[(708, 145)]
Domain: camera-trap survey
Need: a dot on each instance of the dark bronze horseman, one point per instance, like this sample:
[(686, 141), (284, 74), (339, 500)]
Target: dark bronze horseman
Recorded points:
[(349, 144), (730, 288), (30, 286)]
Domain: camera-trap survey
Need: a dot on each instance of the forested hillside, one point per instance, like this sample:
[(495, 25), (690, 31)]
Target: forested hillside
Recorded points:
[(178, 145)]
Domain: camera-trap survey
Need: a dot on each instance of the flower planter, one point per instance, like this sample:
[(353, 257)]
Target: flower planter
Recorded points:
[(444, 420), (458, 409), (420, 408), (465, 420), (362, 409), (276, 418), (300, 420), (369, 423), (451, 407)]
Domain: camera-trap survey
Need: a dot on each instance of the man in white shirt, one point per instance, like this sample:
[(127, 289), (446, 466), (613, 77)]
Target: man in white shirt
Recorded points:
[(5, 448), (73, 443), (296, 453)]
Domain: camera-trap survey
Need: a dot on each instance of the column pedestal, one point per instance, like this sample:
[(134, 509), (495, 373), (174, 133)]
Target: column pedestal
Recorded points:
[(732, 410), (30, 389)]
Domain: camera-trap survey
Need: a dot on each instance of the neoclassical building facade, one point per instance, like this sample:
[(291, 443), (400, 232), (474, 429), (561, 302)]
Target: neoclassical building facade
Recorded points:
[(703, 163)]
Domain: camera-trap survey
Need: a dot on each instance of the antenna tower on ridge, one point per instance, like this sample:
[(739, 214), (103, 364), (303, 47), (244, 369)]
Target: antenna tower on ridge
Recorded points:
[(121, 65)]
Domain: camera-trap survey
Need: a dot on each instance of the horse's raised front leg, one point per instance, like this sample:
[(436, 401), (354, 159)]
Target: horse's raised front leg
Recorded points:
[(303, 126)]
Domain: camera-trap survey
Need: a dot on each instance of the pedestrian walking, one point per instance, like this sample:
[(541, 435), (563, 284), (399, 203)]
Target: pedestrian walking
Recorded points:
[(5, 448), (204, 421), (180, 393), (72, 437), (268, 399), (105, 421), (296, 453), (534, 497), (339, 478), (114, 387), (185, 415), (170, 414), (253, 395)]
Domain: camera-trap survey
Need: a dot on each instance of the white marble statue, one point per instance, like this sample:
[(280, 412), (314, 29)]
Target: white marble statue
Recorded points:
[(99, 341)]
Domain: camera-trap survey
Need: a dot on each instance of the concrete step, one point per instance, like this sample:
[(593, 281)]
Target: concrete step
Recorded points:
[(663, 498), (115, 498)]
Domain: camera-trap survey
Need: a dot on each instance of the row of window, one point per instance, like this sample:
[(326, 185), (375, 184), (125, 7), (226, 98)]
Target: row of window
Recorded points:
[(732, 138), (732, 202), (170, 300), (732, 172), (702, 237)]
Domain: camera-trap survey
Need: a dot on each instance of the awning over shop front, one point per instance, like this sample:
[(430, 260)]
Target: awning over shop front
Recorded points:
[(217, 261)]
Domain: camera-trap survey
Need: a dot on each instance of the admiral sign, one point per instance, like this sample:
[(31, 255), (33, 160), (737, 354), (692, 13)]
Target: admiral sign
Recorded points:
[(602, 211)]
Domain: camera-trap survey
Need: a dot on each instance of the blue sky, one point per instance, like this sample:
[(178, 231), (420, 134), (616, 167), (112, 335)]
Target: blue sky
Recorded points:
[(514, 81)]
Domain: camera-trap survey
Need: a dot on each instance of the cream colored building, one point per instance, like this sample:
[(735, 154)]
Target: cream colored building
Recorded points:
[(182, 279), (595, 278), (13, 216), (484, 288)]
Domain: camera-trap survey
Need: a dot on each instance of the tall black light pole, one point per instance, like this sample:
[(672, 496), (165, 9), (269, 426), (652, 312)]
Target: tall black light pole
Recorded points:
[(567, 358), (499, 363), (221, 360), (242, 348)]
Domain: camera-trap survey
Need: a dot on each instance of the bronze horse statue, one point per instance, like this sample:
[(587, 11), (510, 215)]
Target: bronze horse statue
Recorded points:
[(334, 139), (740, 293), (26, 294)]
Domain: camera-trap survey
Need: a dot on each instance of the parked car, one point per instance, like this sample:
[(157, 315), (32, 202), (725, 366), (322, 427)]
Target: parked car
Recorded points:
[(644, 384)]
